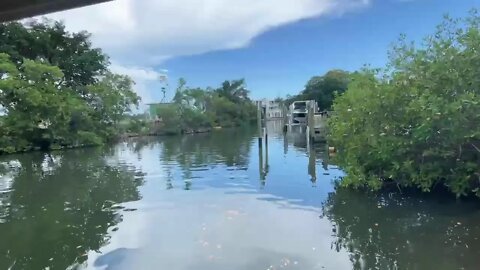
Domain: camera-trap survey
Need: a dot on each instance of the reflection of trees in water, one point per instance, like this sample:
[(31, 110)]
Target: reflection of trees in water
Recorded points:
[(392, 231), (194, 152), (60, 207), (198, 152), (230, 147)]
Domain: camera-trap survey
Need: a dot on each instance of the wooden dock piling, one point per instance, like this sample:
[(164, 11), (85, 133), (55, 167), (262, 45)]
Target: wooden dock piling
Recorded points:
[(310, 119), (259, 122)]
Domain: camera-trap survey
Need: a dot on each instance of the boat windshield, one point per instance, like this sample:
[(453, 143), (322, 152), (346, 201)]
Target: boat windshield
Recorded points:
[(300, 106)]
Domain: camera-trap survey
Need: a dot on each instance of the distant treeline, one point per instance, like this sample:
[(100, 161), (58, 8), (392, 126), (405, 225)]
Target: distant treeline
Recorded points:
[(197, 109)]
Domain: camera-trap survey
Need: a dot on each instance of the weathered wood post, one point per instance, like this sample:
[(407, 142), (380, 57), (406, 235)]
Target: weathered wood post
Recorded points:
[(260, 131), (260, 163), (285, 118), (259, 123), (266, 167), (265, 129), (311, 119), (307, 134), (312, 170), (266, 136)]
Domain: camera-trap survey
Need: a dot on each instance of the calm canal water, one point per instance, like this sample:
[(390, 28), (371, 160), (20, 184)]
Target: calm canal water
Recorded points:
[(212, 202)]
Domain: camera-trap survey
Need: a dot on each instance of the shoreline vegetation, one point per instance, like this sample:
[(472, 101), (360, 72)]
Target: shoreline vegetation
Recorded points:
[(56, 89), (414, 123), (195, 110), (57, 92)]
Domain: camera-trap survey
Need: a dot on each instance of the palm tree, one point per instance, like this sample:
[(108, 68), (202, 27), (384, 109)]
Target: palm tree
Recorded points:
[(234, 91)]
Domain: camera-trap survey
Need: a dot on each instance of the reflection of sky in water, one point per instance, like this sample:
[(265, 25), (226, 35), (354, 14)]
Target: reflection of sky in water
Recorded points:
[(228, 219), (206, 202), (8, 171), (208, 230), (205, 205)]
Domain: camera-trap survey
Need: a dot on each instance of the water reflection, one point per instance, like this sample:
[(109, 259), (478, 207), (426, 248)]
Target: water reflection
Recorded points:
[(191, 156), (218, 201), (59, 206), (230, 147), (209, 230), (391, 231)]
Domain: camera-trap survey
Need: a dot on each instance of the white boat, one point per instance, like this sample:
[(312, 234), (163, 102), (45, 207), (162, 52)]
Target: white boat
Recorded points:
[(299, 112)]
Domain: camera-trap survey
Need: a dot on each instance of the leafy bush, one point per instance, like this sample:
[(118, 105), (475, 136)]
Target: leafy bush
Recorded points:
[(170, 119), (89, 138), (194, 119), (415, 124)]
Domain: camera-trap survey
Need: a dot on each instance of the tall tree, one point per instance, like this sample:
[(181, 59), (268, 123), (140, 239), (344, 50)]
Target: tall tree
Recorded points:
[(56, 89), (323, 88), (36, 110), (235, 91), (48, 41)]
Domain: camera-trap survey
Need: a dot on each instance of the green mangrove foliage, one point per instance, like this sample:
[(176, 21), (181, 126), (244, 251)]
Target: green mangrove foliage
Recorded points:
[(415, 123), (323, 89), (56, 90), (194, 109)]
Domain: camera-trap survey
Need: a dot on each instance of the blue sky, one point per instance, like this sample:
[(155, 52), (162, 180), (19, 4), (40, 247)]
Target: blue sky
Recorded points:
[(280, 61), (276, 45)]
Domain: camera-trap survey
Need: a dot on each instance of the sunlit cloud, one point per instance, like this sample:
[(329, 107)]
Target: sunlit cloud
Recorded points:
[(139, 35), (148, 32)]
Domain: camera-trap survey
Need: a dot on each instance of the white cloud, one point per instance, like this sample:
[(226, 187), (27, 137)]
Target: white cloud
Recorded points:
[(141, 73), (146, 32), (148, 82), (141, 34)]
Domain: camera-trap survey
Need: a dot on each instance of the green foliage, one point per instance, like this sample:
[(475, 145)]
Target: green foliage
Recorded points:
[(55, 89), (416, 124), (233, 91), (196, 108), (169, 115), (109, 100), (134, 124), (324, 88), (231, 105), (48, 41)]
